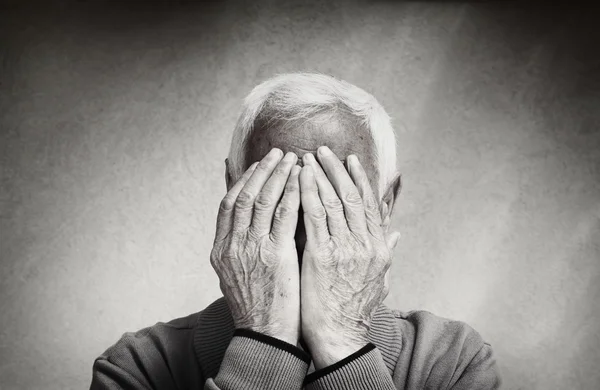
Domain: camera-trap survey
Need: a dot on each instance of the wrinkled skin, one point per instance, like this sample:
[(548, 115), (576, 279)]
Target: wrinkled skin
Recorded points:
[(343, 136), (346, 257), (254, 253)]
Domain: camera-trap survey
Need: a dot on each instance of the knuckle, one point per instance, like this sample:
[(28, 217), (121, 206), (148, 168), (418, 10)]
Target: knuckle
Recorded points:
[(369, 202), (238, 235), (280, 171), (263, 165), (245, 199), (317, 212), (254, 234), (263, 201), (227, 204), (371, 205), (275, 238), (227, 253), (333, 204), (283, 211), (353, 198), (292, 186)]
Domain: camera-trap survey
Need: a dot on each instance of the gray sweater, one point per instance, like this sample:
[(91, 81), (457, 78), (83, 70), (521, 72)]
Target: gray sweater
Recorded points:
[(413, 350)]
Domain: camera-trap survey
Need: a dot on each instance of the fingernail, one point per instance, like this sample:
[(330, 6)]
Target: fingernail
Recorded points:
[(325, 151), (308, 157), (290, 156), (276, 152), (352, 159)]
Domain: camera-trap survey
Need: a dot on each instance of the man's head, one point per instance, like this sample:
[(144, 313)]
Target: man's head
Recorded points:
[(300, 112)]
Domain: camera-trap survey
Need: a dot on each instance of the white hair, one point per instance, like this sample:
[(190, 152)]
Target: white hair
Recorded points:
[(302, 96)]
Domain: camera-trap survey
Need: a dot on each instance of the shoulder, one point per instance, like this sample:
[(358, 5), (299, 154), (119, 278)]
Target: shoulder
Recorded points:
[(213, 316), (160, 356), (444, 332), (154, 336), (440, 351)]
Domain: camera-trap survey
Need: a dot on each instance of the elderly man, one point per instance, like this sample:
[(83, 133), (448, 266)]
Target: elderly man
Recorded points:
[(302, 250)]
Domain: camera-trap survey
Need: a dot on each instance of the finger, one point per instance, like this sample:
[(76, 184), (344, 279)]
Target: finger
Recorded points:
[(285, 219), (244, 204), (345, 188), (315, 217), (361, 180), (336, 220), (225, 215), (268, 198)]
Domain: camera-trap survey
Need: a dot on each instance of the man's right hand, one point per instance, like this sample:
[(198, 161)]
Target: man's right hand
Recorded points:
[(254, 253)]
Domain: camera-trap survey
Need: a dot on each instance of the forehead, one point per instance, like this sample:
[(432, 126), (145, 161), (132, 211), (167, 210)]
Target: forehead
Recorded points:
[(342, 136)]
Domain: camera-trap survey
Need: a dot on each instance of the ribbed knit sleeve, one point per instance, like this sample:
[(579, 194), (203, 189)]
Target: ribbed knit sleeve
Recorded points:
[(363, 370), (256, 361), (412, 351)]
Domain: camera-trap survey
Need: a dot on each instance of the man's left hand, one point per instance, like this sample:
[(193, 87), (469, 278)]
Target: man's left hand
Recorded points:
[(346, 257)]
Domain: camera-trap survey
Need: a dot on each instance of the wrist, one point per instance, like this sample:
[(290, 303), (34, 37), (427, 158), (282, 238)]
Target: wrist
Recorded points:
[(293, 340), (288, 337), (326, 356)]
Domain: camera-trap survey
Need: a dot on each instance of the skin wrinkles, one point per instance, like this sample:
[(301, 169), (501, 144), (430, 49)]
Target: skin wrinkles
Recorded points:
[(344, 137), (343, 269)]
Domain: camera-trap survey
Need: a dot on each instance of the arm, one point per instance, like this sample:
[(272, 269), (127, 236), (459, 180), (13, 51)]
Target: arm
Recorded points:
[(161, 357), (257, 361), (344, 279), (255, 257), (108, 375), (480, 373), (436, 353), (364, 369), (345, 262)]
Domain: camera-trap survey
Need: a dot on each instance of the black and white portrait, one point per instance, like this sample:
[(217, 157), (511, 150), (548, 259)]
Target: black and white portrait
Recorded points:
[(231, 195)]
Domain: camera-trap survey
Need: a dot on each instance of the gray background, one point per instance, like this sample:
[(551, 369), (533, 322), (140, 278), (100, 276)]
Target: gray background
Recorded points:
[(116, 120)]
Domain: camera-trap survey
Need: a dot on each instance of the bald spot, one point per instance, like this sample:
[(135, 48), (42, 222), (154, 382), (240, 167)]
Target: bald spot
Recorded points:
[(340, 132)]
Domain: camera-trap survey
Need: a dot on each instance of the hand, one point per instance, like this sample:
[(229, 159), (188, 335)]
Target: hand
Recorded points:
[(345, 259), (254, 252)]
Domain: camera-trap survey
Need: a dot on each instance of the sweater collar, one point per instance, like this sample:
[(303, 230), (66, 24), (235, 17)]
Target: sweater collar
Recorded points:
[(214, 331)]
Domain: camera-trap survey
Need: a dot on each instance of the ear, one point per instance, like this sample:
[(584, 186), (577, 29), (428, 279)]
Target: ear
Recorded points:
[(228, 180), (386, 207), (390, 195)]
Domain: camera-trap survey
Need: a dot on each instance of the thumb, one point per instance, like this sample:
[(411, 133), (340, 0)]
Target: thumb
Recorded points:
[(392, 240)]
